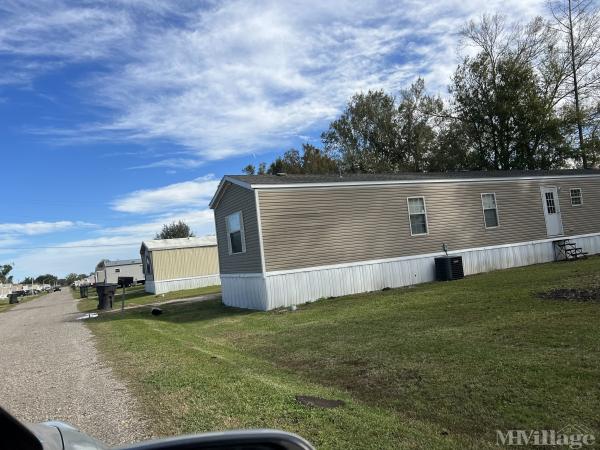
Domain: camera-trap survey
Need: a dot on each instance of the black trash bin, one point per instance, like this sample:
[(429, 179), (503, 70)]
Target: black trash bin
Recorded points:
[(13, 298), (83, 291), (106, 295)]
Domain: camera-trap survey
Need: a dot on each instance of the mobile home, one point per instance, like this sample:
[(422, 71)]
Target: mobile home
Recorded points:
[(176, 264), (110, 271), (290, 239)]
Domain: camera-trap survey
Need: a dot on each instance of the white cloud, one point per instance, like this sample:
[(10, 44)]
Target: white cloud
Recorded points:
[(173, 163), (40, 227), (9, 242), (81, 259), (122, 242), (200, 221), (236, 77), (175, 196)]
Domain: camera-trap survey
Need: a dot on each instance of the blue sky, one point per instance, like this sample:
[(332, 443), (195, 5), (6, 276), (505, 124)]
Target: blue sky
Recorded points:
[(118, 116)]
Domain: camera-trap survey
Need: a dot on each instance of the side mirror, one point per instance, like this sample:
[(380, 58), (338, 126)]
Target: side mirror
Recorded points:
[(60, 436), (232, 440)]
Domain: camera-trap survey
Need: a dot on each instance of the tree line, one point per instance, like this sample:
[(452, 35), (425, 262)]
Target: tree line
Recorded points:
[(524, 96)]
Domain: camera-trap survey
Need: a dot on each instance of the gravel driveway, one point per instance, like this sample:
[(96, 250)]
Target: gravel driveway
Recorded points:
[(50, 370)]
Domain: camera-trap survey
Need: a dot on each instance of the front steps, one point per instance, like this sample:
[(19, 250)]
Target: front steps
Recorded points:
[(567, 250)]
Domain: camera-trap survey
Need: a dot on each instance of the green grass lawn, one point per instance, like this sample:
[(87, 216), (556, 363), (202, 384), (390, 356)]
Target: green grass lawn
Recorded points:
[(136, 295), (5, 306), (440, 365)]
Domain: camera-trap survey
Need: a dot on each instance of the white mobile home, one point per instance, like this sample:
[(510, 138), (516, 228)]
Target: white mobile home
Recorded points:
[(176, 264), (110, 271)]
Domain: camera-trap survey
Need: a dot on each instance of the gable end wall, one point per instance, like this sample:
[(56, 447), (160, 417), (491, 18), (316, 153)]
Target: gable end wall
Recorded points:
[(236, 198)]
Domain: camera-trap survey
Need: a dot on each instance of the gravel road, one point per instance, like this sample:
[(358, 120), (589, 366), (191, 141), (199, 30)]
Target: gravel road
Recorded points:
[(51, 370)]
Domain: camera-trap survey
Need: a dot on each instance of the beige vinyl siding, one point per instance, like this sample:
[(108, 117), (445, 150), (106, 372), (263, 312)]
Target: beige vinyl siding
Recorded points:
[(172, 264), (234, 199), (306, 227), (582, 219)]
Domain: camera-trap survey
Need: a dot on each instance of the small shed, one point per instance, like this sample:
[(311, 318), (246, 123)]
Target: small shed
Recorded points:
[(110, 271), (176, 264)]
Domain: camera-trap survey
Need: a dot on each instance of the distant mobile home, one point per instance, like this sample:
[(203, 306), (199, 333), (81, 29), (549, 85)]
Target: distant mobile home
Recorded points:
[(110, 271), (176, 264), (290, 239)]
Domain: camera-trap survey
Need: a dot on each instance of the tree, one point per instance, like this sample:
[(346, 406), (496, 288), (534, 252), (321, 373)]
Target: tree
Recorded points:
[(365, 137), (505, 97), (316, 161), (4, 271), (312, 161), (579, 23), (249, 170), (378, 134), (418, 122), (290, 162), (175, 230), (46, 279), (451, 149), (70, 279), (593, 137)]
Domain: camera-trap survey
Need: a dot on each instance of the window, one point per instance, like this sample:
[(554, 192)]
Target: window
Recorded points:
[(418, 215), (550, 204), (235, 233), (148, 264), (490, 210), (576, 197)]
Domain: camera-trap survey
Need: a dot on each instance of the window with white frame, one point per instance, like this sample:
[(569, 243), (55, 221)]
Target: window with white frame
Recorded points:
[(576, 197), (235, 233), (417, 213), (490, 210)]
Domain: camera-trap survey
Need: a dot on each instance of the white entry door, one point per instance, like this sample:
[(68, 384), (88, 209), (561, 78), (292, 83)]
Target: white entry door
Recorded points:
[(551, 206)]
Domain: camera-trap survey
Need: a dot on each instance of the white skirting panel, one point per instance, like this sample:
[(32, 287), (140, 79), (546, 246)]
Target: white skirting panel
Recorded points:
[(160, 287), (486, 260), (589, 244), (286, 288), (244, 291), (301, 287)]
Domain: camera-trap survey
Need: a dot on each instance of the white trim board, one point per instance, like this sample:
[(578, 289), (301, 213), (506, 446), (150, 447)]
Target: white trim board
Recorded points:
[(260, 234), (214, 202), (415, 181)]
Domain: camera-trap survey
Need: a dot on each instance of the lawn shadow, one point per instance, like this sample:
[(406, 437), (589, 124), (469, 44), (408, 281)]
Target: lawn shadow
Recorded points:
[(179, 312)]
